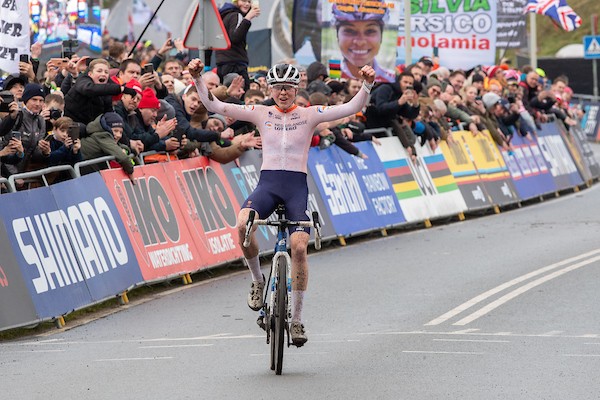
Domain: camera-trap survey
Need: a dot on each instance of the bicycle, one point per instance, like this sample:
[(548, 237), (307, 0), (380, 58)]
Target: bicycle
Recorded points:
[(276, 313)]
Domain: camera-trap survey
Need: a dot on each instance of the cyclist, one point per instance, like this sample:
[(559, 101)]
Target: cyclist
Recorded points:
[(286, 132)]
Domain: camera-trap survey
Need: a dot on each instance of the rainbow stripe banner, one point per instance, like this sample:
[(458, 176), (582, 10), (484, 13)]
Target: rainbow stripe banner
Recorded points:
[(335, 69)]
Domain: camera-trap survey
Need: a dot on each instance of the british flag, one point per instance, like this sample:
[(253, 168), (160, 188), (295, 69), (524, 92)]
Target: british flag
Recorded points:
[(558, 10)]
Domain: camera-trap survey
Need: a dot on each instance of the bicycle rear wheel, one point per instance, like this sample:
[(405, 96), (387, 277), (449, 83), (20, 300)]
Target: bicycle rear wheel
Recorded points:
[(279, 317)]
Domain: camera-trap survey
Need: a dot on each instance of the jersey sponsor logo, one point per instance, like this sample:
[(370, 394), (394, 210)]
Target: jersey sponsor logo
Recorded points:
[(268, 124), (294, 116), (322, 109), (249, 107), (273, 115)]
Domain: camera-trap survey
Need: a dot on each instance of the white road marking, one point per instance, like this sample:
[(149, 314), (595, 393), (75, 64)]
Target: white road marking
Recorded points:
[(581, 355), (511, 295), (175, 346), (134, 359), (504, 286), (317, 353), (472, 340), (444, 352)]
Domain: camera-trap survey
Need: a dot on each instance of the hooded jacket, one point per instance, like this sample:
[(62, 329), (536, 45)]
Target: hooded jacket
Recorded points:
[(100, 143), (384, 106), (86, 99), (237, 28)]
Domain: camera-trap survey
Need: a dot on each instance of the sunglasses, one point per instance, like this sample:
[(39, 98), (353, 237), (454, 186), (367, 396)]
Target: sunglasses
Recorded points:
[(287, 88)]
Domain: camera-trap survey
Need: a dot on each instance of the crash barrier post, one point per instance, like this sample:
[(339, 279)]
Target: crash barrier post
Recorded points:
[(378, 131), (77, 242), (4, 181)]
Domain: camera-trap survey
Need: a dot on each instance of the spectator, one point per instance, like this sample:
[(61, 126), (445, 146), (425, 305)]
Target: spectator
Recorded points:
[(117, 52), (31, 128), (54, 108), (155, 135), (211, 80), (103, 138), (62, 148), (169, 82), (392, 101), (254, 97), (302, 98), (91, 95), (353, 86), (237, 17), (126, 108), (16, 85)]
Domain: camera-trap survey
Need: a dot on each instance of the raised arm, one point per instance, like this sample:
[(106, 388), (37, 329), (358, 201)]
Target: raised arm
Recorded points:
[(212, 104), (355, 105)]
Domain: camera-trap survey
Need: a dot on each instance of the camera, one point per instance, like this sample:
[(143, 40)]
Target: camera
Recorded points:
[(67, 47), (55, 113), (511, 99), (478, 98), (7, 97)]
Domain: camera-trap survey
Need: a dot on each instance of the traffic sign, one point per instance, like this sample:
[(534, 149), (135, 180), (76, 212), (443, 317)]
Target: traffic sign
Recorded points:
[(206, 29), (591, 47)]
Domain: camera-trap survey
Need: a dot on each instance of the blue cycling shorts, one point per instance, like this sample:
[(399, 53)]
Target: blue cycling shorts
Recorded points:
[(281, 187)]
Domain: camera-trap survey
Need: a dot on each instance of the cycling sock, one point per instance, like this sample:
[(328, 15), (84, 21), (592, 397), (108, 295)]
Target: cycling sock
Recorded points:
[(254, 265), (297, 300)]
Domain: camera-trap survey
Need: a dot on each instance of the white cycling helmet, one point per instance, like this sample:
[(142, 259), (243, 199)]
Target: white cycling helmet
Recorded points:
[(283, 73)]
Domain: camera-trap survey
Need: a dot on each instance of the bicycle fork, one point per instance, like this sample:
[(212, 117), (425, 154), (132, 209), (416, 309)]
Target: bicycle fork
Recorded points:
[(267, 314)]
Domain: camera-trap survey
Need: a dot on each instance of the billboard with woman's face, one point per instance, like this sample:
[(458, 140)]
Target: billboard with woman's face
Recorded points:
[(347, 35)]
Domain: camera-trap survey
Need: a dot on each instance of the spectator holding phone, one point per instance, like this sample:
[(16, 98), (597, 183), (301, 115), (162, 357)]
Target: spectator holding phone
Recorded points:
[(237, 17), (62, 145), (27, 126)]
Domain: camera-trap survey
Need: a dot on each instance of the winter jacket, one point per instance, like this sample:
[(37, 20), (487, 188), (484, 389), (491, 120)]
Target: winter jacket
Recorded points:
[(183, 123), (100, 143), (86, 100), (384, 106), (237, 28), (61, 154)]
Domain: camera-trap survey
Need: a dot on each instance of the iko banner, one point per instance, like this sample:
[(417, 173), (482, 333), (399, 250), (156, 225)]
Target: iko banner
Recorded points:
[(154, 222)]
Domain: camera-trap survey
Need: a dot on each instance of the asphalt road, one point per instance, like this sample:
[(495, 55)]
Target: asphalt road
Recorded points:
[(498, 307)]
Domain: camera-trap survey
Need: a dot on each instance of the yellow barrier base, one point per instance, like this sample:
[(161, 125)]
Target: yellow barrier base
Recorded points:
[(461, 216), (59, 322), (496, 210), (187, 279), (342, 240), (427, 223), (384, 232), (123, 299)]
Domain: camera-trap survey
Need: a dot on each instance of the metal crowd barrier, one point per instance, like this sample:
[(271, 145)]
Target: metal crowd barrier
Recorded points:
[(33, 176), (4, 181), (140, 157), (93, 161), (375, 131)]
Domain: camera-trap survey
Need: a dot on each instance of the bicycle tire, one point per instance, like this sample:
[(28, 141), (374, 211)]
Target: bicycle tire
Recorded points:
[(280, 314)]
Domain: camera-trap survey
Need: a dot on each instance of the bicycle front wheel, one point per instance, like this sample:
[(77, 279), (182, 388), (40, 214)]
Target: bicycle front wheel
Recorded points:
[(279, 314)]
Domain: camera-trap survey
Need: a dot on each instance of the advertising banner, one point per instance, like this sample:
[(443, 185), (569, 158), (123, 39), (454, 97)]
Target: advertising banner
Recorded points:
[(41, 236), (591, 121), (528, 168), (14, 35), (465, 174), (580, 140), (490, 166), (16, 307), (464, 32), (553, 147), (209, 207), (425, 188), (154, 222), (103, 249), (511, 32), (357, 192)]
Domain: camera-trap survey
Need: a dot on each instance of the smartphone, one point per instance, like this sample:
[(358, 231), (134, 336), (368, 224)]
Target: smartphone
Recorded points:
[(16, 135), (24, 58), (73, 132), (148, 69), (59, 62), (255, 3), (6, 98), (436, 51)]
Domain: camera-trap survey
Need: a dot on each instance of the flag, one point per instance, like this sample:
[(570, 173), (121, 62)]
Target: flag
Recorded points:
[(558, 10)]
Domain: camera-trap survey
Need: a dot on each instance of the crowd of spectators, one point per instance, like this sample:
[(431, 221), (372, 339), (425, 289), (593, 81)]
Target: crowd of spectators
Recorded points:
[(79, 108)]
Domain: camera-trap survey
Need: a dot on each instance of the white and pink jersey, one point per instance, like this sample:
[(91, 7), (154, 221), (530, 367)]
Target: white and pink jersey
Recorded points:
[(286, 135)]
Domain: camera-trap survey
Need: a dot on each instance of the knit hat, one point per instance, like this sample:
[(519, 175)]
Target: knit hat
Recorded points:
[(135, 85), (335, 86), (220, 118), (32, 90), (113, 120), (165, 109), (490, 100), (426, 60), (318, 86), (493, 70), (149, 100), (433, 82), (227, 79)]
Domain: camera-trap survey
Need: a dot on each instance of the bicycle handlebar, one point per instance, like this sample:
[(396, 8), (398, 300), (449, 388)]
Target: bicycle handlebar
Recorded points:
[(315, 223)]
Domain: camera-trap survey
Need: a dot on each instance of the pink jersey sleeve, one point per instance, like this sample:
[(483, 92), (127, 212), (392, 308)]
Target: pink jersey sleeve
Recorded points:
[(240, 112), (332, 113)]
